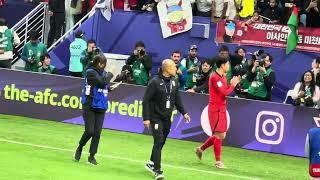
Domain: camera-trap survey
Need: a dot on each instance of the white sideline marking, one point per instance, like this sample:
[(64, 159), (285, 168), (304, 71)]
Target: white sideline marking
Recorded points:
[(130, 160)]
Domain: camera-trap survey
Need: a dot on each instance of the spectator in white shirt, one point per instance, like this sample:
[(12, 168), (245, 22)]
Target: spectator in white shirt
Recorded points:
[(306, 93), (219, 10), (8, 39), (223, 9), (204, 8)]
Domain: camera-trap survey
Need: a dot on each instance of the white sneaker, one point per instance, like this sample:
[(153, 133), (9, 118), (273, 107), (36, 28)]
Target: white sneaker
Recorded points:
[(158, 175), (150, 167), (220, 165)]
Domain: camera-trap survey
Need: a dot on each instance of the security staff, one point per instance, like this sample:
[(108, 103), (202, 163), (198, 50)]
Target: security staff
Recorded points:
[(313, 152), (161, 96), (76, 49), (94, 100)]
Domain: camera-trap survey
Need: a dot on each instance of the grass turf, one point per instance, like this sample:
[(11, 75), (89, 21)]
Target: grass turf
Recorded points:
[(122, 156)]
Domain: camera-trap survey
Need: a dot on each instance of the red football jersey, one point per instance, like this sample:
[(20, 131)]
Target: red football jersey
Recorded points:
[(218, 90)]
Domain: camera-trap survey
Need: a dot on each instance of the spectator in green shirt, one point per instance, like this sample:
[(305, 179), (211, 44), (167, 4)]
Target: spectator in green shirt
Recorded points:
[(193, 66), (141, 64), (46, 65), (88, 55), (32, 51)]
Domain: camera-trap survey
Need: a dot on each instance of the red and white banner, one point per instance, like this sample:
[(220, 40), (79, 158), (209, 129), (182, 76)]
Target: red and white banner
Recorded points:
[(268, 35), (175, 16)]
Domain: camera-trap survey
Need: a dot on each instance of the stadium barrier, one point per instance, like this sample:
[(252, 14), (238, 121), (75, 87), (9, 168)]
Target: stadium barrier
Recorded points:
[(262, 126)]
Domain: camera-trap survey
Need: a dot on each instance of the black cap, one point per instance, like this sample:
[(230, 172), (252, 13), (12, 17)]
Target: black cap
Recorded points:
[(33, 34), (79, 34)]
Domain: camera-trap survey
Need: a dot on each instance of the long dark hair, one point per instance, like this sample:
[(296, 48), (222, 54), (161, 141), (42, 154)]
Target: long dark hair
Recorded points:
[(312, 83), (99, 59)]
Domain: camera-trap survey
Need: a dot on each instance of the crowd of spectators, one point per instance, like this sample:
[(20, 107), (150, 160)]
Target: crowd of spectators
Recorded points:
[(266, 11), (257, 76)]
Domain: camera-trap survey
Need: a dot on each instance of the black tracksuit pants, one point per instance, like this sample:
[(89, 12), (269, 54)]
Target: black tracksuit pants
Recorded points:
[(57, 27), (93, 121), (160, 131)]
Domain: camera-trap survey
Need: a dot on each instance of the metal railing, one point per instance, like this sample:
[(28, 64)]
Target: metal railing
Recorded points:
[(38, 20), (71, 30)]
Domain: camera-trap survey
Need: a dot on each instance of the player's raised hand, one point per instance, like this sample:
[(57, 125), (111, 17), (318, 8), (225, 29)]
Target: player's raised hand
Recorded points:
[(235, 80), (187, 118)]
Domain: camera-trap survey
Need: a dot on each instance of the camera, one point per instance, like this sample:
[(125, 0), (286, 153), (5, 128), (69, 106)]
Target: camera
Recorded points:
[(126, 75), (125, 72), (142, 52), (96, 50), (257, 54), (261, 62)]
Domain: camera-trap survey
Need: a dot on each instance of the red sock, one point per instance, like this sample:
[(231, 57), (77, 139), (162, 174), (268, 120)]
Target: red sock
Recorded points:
[(209, 142), (217, 146)]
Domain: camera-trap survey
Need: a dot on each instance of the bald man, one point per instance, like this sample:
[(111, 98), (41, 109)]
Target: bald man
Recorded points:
[(161, 96)]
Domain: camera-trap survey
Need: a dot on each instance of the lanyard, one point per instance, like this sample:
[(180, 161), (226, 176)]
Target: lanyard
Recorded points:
[(168, 94)]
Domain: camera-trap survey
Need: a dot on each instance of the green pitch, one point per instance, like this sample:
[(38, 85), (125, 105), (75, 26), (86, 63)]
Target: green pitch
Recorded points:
[(42, 150)]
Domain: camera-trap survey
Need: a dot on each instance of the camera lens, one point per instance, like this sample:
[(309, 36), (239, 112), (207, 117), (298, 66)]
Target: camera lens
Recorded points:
[(142, 52)]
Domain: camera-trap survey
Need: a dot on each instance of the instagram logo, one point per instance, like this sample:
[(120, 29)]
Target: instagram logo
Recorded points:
[(269, 127)]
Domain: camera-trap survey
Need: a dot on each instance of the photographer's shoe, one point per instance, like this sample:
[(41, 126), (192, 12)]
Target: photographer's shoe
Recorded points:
[(77, 154), (150, 166), (92, 161), (158, 175)]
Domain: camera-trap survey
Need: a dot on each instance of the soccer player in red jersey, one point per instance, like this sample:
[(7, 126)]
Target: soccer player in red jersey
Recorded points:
[(218, 90)]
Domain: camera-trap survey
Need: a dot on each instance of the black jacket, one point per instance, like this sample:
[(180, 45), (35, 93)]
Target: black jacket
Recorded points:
[(146, 61), (155, 98), (57, 6), (273, 14), (96, 78), (202, 85)]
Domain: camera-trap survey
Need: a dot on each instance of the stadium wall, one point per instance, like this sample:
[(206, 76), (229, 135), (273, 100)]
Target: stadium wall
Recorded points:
[(262, 126)]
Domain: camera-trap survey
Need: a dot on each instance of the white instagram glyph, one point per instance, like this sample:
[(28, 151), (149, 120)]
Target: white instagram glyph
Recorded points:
[(205, 124), (317, 121), (274, 119)]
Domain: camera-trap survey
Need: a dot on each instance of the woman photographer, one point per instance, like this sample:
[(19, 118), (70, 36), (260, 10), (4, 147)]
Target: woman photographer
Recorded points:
[(306, 93), (95, 104)]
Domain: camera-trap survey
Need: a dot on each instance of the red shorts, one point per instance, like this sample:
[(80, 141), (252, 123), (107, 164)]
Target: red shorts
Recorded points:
[(218, 121)]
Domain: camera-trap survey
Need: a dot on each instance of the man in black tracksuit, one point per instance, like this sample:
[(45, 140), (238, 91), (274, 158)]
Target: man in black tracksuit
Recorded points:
[(161, 96), (57, 13)]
